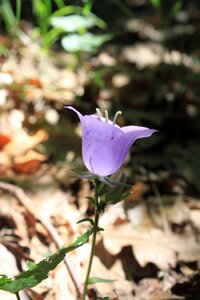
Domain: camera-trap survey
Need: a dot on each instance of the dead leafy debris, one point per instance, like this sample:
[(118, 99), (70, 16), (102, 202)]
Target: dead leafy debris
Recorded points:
[(151, 243)]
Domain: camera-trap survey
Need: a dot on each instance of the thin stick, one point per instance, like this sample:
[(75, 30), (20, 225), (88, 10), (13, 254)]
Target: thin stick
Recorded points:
[(26, 202)]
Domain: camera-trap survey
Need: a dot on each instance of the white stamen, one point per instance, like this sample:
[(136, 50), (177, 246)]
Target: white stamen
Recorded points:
[(99, 113), (106, 115), (116, 115)]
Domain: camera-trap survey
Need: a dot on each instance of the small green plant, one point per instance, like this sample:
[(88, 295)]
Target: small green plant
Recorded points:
[(38, 272), (104, 149), (70, 19), (171, 9), (76, 26), (9, 17), (43, 10)]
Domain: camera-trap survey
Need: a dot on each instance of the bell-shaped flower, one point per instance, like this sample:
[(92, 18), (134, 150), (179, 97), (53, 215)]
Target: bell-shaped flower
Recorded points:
[(105, 145)]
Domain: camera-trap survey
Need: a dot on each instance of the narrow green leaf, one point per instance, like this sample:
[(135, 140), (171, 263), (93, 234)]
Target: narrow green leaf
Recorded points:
[(124, 8), (39, 272), (92, 201), (51, 36), (60, 3), (87, 7), (93, 280), (86, 220), (8, 15), (120, 198), (40, 8), (18, 12), (175, 8), (67, 10), (155, 3), (48, 5)]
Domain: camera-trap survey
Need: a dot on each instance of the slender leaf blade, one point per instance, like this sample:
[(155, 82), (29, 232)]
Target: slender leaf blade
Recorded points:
[(155, 3)]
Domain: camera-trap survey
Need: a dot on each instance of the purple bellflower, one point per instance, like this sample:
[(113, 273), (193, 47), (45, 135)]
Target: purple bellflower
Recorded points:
[(105, 145)]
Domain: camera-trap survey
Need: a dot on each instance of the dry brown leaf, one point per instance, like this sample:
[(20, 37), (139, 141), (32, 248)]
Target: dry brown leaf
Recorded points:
[(178, 213), (8, 267), (34, 81), (152, 289), (22, 142), (122, 287), (28, 163), (195, 217), (138, 191), (62, 286), (143, 54), (16, 220), (4, 139), (152, 246), (28, 167), (188, 288), (18, 153)]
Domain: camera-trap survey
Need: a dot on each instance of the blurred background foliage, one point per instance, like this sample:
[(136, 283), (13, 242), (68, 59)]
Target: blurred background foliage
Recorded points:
[(138, 56)]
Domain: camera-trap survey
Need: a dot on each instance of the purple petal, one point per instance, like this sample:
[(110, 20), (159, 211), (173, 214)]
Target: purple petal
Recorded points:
[(137, 132), (104, 145), (131, 134), (99, 146), (76, 111)]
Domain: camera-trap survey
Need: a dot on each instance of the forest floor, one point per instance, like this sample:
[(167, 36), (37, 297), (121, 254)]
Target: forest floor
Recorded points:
[(150, 244)]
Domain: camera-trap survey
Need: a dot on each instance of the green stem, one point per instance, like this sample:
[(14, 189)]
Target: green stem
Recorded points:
[(96, 220), (18, 297)]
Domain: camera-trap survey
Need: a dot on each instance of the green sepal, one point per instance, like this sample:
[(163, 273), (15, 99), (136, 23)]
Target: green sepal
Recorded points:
[(92, 200), (93, 280), (118, 183), (84, 175), (101, 189)]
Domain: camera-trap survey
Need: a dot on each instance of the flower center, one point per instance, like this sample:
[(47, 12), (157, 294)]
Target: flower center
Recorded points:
[(106, 119)]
